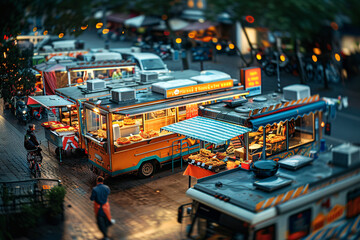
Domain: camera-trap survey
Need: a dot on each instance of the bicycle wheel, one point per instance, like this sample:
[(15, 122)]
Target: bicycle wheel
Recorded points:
[(37, 171), (29, 157)]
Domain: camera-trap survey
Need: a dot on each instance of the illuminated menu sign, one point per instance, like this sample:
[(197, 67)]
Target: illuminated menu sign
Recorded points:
[(251, 79), (198, 88)]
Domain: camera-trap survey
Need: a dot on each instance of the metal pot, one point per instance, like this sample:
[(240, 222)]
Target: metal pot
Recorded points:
[(264, 168)]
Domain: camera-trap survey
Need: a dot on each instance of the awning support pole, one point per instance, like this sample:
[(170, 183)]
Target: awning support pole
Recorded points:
[(264, 143), (246, 138)]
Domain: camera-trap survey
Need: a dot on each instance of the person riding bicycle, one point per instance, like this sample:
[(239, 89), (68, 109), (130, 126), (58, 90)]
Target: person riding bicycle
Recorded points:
[(30, 141)]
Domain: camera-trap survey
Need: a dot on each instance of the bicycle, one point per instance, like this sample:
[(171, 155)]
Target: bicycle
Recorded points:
[(34, 159)]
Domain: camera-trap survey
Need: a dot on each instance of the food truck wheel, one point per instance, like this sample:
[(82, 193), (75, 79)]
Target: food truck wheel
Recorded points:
[(147, 169)]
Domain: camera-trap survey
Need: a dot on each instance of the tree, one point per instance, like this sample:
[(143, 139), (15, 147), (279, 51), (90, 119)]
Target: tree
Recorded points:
[(64, 16), (15, 71)]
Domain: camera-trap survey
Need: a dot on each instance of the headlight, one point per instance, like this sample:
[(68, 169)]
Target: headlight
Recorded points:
[(24, 112)]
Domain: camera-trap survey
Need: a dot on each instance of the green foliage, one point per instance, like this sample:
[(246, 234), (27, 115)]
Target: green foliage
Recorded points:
[(15, 71), (66, 16), (11, 21), (56, 197)]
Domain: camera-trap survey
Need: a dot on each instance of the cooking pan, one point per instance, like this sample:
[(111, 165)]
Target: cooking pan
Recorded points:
[(264, 168)]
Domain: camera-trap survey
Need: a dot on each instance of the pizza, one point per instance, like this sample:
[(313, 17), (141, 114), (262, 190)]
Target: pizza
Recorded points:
[(122, 140), (135, 138), (129, 121)]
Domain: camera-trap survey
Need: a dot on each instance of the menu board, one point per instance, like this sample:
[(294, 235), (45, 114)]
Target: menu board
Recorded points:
[(251, 79), (191, 110)]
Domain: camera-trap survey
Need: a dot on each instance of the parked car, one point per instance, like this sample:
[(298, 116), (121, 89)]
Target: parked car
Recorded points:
[(146, 62)]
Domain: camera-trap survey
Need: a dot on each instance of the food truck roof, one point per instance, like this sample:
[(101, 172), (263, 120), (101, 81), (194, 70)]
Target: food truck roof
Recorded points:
[(241, 188), (182, 102), (146, 96), (99, 64), (261, 106), (49, 101), (80, 92)]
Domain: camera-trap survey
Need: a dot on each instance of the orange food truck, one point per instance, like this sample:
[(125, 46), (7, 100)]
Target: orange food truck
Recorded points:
[(123, 131), (94, 89)]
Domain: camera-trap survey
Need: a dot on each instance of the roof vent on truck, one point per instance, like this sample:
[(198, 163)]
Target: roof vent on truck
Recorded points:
[(148, 76), (123, 95), (296, 92), (95, 85)]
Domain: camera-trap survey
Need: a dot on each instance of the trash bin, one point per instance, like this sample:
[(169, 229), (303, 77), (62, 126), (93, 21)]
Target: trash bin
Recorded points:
[(322, 145)]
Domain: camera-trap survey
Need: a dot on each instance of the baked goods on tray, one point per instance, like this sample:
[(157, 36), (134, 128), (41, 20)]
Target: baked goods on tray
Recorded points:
[(129, 121), (135, 138), (122, 140)]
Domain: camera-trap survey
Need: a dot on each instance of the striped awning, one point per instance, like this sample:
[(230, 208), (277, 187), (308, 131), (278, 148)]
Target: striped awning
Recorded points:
[(207, 130), (282, 115)]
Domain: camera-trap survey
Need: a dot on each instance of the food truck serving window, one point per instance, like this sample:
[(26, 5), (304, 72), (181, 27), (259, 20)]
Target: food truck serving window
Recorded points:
[(301, 130), (155, 120), (299, 224), (95, 123), (141, 127)]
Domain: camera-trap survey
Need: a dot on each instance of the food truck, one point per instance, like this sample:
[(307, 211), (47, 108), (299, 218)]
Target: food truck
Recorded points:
[(95, 89), (291, 124), (69, 73), (307, 198), (123, 131), (62, 125)]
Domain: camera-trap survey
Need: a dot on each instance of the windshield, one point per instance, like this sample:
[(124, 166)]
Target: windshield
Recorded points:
[(153, 64)]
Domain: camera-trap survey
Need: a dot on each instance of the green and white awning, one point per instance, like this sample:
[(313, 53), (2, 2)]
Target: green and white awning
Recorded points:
[(207, 130)]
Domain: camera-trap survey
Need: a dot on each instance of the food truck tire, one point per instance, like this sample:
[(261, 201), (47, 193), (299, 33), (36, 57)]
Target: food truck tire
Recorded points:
[(147, 169)]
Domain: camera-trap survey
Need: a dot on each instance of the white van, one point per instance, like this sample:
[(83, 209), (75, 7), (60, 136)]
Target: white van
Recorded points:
[(100, 56), (146, 62)]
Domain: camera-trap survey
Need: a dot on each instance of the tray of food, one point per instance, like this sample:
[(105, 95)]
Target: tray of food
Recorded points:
[(123, 141), (149, 134), (129, 121), (208, 160), (50, 123)]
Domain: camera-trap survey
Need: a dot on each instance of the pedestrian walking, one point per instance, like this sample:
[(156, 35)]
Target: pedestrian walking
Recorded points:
[(100, 195)]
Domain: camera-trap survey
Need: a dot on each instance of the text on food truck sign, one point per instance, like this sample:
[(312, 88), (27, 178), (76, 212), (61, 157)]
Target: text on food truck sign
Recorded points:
[(198, 88), (251, 78)]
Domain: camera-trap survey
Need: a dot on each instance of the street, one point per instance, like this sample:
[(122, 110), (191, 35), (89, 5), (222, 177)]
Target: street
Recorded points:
[(142, 208)]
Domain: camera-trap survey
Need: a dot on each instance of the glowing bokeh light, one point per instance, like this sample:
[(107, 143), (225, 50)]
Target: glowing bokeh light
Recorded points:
[(317, 51), (314, 58), (337, 57), (99, 25)]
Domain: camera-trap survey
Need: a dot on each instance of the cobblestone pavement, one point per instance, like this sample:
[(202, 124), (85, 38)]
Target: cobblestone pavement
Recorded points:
[(142, 208), (146, 208)]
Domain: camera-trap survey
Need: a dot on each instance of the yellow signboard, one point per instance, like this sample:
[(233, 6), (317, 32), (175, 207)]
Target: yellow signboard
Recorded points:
[(199, 88)]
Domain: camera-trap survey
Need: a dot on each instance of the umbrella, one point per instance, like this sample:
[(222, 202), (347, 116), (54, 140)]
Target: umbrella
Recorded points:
[(175, 24), (142, 21)]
